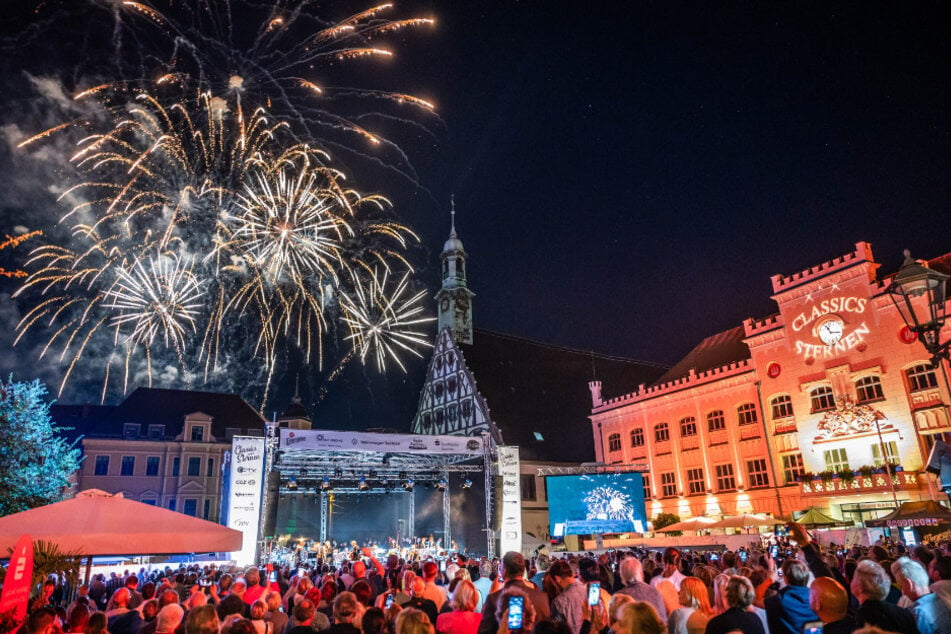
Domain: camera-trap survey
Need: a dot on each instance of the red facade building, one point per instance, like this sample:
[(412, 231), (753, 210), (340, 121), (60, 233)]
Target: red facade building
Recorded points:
[(802, 408)]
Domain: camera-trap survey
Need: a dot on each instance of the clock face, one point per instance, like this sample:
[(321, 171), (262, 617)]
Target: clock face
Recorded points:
[(830, 331)]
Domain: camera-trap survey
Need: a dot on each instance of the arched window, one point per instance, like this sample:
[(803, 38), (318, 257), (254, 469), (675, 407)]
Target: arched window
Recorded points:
[(921, 377), (716, 420), (637, 438), (688, 426), (746, 414), (614, 442), (822, 398), (868, 389), (662, 432), (781, 406)]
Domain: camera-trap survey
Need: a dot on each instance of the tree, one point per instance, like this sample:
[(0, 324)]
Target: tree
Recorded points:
[(662, 520), (36, 462)]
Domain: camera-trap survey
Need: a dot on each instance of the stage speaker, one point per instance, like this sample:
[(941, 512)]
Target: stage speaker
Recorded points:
[(271, 493)]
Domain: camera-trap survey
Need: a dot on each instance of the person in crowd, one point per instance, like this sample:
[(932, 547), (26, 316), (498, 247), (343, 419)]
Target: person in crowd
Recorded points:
[(77, 619), (542, 563), (98, 624), (435, 593), (483, 582), (632, 578), (830, 601), (463, 619), (413, 621), (41, 620), (304, 613), (739, 596), (870, 586), (419, 601), (939, 572), (234, 602), (203, 620), (695, 612), (788, 610), (277, 618), (252, 577), (932, 614), (169, 618), (618, 601), (513, 570), (135, 597), (671, 571), (375, 622), (573, 594), (529, 614), (639, 617)]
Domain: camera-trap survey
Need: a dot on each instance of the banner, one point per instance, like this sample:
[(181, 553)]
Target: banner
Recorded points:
[(510, 533), (310, 439), (244, 502), (16, 586)]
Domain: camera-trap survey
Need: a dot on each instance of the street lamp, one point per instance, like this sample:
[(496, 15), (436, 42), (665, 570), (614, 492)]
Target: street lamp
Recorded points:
[(919, 295)]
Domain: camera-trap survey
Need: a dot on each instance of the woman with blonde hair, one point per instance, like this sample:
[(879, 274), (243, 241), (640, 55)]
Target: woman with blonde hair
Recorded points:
[(719, 593), (463, 619), (617, 602), (412, 621), (696, 611), (639, 617)]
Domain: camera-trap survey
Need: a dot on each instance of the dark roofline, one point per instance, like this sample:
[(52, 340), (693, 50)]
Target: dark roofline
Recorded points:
[(551, 346)]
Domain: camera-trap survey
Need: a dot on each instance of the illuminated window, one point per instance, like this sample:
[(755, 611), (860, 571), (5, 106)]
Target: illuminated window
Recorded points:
[(152, 466), (869, 388), (756, 473), (781, 406), (668, 485), (662, 432), (637, 438), (102, 466), (695, 483), (891, 453), (746, 414), (822, 398), (688, 426), (647, 486), (716, 420), (792, 467), (836, 459), (921, 377), (128, 465), (614, 442), (194, 466), (726, 481)]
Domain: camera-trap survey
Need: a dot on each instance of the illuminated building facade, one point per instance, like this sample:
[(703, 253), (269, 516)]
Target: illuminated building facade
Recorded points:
[(802, 408)]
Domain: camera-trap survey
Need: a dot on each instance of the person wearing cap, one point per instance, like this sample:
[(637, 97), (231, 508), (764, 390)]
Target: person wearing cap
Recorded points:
[(513, 570)]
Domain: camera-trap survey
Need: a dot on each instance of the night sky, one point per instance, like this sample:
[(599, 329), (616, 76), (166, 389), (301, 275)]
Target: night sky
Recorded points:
[(627, 176)]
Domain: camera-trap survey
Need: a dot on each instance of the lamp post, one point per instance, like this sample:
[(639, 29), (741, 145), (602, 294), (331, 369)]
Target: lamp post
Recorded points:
[(919, 295)]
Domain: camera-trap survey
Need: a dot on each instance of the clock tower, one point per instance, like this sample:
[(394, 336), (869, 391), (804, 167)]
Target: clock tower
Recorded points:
[(454, 299)]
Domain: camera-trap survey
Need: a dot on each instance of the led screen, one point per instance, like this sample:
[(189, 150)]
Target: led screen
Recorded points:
[(596, 504)]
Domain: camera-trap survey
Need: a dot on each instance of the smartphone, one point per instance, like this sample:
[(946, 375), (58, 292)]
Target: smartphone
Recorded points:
[(273, 576), (774, 551), (204, 582), (389, 600), (812, 627), (743, 556), (714, 557), (838, 552), (515, 612), (594, 593)]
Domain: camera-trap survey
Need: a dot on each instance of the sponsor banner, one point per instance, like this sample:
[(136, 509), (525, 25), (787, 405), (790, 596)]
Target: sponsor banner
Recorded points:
[(309, 439), (16, 586), (510, 534), (920, 521), (244, 500)]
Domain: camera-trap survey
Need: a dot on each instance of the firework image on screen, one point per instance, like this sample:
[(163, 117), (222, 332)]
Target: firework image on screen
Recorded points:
[(596, 504)]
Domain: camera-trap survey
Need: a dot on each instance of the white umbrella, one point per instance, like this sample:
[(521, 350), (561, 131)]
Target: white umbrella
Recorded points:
[(692, 524), (746, 520)]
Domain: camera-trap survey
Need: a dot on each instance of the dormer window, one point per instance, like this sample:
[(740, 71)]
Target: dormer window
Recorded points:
[(156, 432), (130, 431), (198, 433)]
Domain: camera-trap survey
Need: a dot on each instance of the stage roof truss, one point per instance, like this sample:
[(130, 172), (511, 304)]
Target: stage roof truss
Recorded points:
[(588, 469)]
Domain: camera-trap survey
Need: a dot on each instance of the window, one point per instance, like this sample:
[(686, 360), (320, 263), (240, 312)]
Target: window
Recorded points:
[(822, 399), (156, 432), (152, 466), (746, 414), (662, 432), (148, 501), (726, 480), (190, 507), (781, 406), (668, 485), (716, 420), (647, 486), (614, 442), (176, 466), (695, 483), (921, 377), (130, 431), (528, 487), (688, 426), (836, 459), (931, 439), (128, 465), (171, 504), (194, 466), (206, 515), (792, 467), (211, 468), (891, 453), (756, 473), (868, 389), (102, 465), (637, 438), (198, 433)]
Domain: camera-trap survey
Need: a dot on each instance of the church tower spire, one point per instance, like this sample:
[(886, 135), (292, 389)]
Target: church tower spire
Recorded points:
[(454, 298)]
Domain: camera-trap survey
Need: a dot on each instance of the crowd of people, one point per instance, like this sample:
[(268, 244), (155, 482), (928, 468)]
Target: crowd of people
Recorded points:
[(882, 588)]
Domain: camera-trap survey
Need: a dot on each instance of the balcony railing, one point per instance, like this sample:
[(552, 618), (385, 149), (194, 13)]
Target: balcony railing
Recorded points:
[(875, 483)]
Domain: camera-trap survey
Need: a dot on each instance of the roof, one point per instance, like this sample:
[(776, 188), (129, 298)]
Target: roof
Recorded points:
[(927, 511), (538, 393), (715, 351), (153, 406)]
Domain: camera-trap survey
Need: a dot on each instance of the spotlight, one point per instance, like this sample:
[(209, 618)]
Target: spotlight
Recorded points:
[(325, 485), (408, 484), (441, 484), (466, 483), (362, 485), (292, 483)]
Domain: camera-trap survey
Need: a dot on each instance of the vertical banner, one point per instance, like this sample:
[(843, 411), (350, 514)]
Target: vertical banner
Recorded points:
[(17, 585), (244, 502), (510, 534)]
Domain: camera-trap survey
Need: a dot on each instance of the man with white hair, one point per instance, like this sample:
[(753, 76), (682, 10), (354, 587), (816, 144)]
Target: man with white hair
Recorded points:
[(632, 576), (169, 618), (870, 585), (931, 613)]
